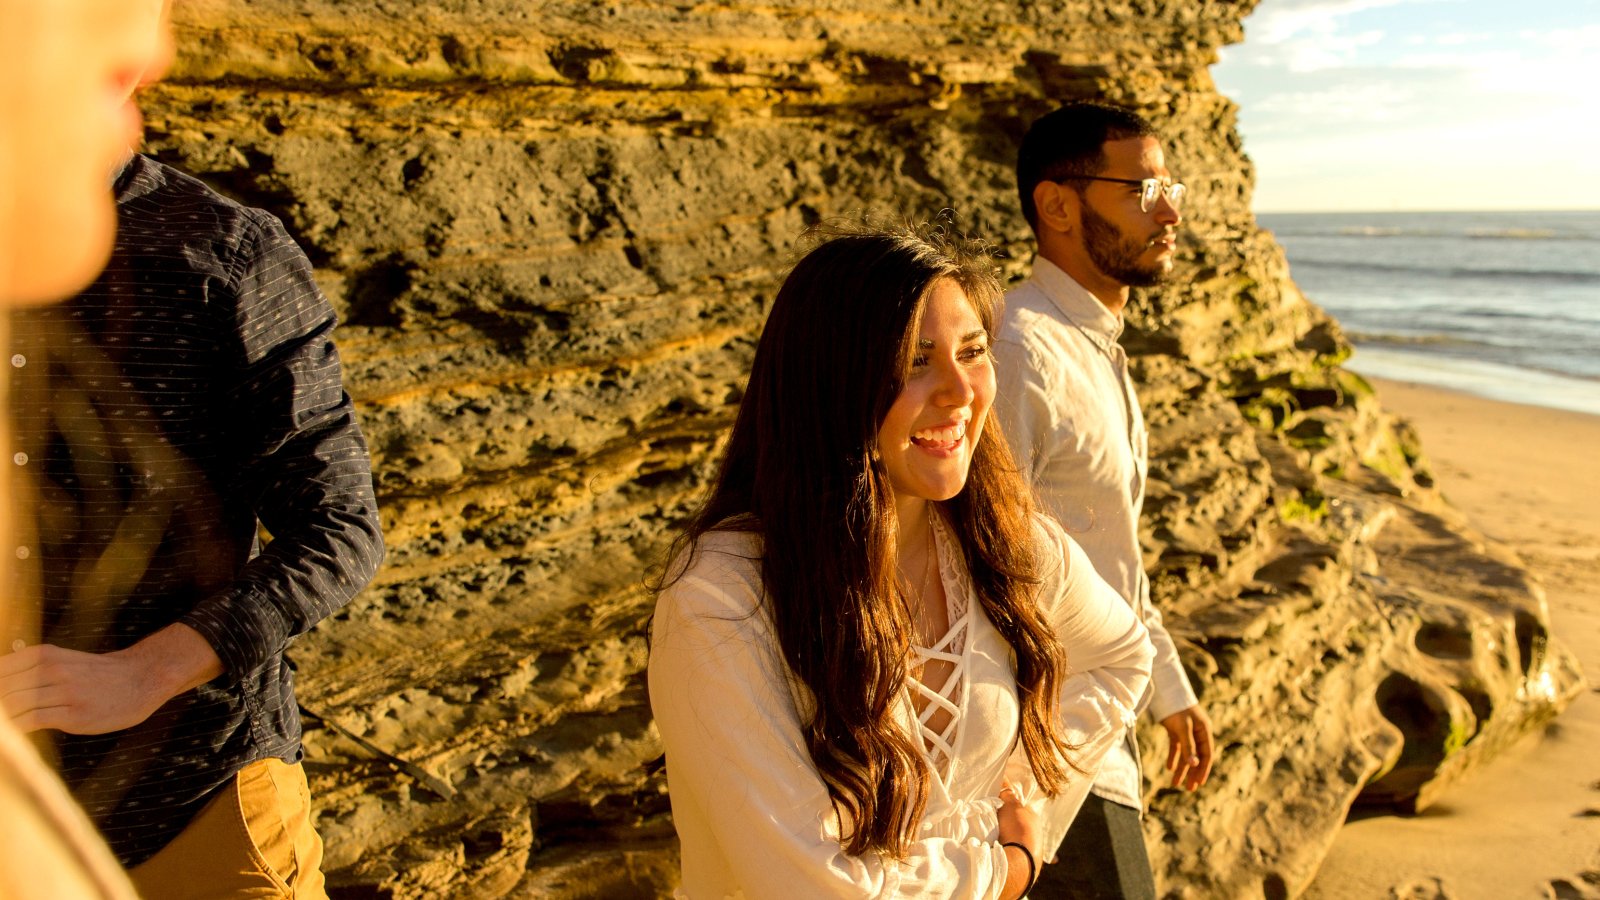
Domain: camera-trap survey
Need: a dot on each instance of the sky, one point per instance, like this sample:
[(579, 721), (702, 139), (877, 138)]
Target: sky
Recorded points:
[(1419, 104)]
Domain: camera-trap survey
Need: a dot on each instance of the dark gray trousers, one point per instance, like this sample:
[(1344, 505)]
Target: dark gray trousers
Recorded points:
[(1101, 858)]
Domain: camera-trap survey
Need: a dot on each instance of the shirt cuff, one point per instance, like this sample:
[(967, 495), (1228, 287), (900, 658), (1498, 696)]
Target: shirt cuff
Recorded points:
[(243, 627), (1169, 690)]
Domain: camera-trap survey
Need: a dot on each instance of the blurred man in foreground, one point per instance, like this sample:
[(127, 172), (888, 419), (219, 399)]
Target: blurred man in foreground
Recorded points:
[(189, 398)]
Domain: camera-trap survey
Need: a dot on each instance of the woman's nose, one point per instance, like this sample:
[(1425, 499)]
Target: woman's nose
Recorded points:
[(955, 388)]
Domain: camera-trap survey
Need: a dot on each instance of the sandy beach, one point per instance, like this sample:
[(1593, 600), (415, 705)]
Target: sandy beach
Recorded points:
[(1528, 825)]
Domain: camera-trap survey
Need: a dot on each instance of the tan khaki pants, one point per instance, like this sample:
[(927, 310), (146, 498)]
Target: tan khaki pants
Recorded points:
[(253, 840)]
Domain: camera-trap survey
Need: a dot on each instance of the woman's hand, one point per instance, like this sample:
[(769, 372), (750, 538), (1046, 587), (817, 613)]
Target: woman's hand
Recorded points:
[(1018, 825)]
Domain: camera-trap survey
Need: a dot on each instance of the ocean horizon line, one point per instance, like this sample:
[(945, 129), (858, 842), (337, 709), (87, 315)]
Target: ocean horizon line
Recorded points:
[(1430, 212)]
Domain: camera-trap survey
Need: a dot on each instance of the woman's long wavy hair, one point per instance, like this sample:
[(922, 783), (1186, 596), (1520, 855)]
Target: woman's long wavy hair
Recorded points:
[(802, 471)]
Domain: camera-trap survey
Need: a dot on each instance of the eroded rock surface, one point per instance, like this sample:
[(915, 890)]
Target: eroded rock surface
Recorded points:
[(553, 229)]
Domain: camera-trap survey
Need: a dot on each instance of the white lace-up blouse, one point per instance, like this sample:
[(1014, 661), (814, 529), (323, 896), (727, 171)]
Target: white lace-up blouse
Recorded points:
[(753, 814)]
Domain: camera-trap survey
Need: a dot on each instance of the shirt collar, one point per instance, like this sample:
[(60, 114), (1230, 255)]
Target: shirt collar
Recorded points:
[(1080, 307), (123, 169), (134, 178)]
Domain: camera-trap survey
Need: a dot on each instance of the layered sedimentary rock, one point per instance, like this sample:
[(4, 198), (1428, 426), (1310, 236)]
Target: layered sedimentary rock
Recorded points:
[(552, 230)]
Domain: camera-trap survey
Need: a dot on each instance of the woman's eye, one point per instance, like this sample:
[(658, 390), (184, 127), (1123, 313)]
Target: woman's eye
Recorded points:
[(918, 362), (975, 352)]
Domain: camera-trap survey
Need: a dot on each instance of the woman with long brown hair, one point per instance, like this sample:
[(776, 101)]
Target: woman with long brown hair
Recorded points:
[(872, 665)]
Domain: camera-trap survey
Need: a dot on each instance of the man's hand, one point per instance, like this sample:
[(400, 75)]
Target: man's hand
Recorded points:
[(1189, 747), (93, 693)]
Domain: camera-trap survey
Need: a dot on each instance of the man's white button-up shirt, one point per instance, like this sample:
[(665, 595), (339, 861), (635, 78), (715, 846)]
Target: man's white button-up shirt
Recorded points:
[(1069, 412)]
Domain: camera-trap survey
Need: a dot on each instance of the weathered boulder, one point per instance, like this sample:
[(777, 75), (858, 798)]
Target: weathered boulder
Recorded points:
[(553, 229)]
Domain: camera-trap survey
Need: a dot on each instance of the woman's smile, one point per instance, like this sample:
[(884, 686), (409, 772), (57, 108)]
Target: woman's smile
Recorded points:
[(927, 438), (941, 440)]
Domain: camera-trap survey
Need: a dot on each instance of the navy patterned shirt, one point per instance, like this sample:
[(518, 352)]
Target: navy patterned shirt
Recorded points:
[(186, 401)]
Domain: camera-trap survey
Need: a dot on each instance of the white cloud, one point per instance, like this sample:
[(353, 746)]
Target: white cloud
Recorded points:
[(1539, 70), (1331, 51), (1339, 106), (1279, 21), (1345, 104), (1459, 39), (1469, 164), (1574, 40), (1309, 35), (1463, 60)]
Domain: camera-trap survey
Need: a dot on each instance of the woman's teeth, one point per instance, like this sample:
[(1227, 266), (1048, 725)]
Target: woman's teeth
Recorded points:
[(940, 437)]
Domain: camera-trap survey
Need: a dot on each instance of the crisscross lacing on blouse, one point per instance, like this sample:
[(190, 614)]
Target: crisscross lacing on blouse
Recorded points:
[(945, 701)]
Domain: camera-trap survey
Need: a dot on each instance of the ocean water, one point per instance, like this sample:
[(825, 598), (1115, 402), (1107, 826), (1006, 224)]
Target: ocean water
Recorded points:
[(1501, 304)]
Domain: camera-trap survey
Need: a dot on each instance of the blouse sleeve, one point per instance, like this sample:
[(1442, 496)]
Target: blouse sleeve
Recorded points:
[(746, 798), (1109, 656)]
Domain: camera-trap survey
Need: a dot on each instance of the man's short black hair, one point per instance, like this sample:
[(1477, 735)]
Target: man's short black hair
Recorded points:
[(1071, 141)]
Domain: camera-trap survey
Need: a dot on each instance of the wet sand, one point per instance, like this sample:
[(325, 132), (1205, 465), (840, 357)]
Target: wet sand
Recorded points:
[(1528, 825)]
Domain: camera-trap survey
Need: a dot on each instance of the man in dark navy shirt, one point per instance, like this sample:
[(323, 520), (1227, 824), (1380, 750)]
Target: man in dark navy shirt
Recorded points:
[(187, 399)]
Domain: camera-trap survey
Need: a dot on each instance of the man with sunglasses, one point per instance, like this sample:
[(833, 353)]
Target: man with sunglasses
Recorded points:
[(1094, 186)]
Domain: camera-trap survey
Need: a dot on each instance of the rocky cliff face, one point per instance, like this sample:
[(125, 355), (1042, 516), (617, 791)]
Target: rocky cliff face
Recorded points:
[(553, 229)]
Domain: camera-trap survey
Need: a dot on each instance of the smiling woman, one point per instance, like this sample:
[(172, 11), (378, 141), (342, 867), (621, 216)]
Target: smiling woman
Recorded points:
[(872, 665), (927, 438)]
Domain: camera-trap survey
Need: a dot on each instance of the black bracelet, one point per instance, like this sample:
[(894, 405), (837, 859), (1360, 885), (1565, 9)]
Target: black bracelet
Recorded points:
[(1033, 867)]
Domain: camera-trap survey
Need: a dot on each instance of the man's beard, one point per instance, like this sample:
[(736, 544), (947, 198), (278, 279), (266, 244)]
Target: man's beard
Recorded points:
[(1118, 256)]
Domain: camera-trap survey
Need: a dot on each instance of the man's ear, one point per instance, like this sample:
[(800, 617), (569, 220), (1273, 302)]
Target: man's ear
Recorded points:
[(1056, 207)]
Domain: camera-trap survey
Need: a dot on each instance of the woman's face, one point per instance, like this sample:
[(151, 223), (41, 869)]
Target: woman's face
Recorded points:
[(927, 439), (67, 68)]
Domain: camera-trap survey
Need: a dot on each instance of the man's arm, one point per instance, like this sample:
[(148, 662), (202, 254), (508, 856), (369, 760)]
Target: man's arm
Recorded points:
[(1190, 749), (303, 465), (305, 472), (1022, 406), (1032, 424), (45, 686)]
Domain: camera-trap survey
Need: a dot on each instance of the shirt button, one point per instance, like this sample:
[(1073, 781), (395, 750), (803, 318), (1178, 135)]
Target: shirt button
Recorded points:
[(18, 360), (20, 459), (22, 553)]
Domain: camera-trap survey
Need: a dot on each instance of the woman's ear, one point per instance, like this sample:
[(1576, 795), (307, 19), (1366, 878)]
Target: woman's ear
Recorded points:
[(1056, 207)]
